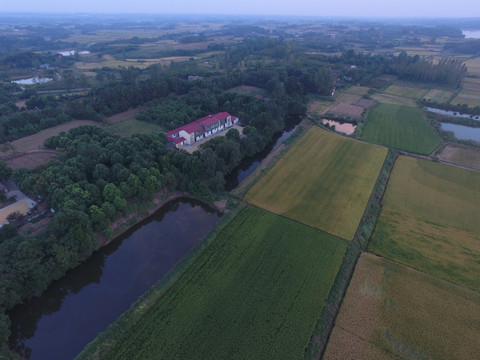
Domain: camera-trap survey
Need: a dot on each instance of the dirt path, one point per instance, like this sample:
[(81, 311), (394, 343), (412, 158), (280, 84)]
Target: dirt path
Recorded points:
[(125, 115), (35, 141)]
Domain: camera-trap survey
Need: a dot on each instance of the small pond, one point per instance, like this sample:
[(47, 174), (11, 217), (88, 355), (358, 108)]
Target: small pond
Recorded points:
[(463, 132), (32, 81), (471, 34)]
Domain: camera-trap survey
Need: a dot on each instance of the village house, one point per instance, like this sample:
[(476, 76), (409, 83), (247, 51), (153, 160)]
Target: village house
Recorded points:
[(196, 130)]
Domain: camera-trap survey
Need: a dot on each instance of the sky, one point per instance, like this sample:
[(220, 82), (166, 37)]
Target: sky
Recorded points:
[(348, 8)]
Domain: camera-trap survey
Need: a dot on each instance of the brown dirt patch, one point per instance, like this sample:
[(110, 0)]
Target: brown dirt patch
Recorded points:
[(342, 109), (35, 142), (461, 155), (347, 98), (22, 207), (31, 160), (366, 103)]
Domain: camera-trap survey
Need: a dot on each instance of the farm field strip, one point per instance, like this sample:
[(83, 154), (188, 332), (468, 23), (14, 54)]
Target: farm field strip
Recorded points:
[(468, 97), (347, 110), (429, 220), (324, 181), (403, 91), (439, 96), (391, 312), (441, 193), (444, 251), (394, 99), (357, 90), (256, 292), (400, 127), (347, 98), (462, 156)]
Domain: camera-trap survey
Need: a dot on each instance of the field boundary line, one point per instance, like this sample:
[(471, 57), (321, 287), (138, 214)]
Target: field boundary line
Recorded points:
[(423, 272)]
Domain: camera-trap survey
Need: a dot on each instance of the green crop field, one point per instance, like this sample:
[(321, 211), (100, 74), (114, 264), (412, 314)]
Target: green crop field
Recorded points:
[(357, 90), (444, 251), (441, 193), (133, 126), (404, 91), (394, 312), (256, 292), (439, 96), (324, 181), (430, 221), (400, 127)]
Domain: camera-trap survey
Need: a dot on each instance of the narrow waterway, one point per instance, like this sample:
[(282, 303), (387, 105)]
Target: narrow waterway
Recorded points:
[(249, 165), (76, 308)]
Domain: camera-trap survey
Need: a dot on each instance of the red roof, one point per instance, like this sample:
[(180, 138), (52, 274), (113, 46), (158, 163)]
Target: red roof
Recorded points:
[(196, 125), (177, 140), (222, 115), (191, 127), (208, 120), (172, 132)]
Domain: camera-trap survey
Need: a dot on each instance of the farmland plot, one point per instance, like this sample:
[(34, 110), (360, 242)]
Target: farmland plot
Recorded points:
[(400, 127), (324, 181), (256, 292), (357, 90), (460, 155), (394, 312), (439, 96), (394, 99), (346, 110), (430, 221), (405, 91)]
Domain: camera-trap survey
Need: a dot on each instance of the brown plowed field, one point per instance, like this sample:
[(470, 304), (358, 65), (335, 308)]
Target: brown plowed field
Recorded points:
[(31, 160), (354, 111), (35, 141), (460, 155)]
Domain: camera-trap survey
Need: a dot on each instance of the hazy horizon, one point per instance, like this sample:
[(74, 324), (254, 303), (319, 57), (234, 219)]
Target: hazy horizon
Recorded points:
[(340, 8)]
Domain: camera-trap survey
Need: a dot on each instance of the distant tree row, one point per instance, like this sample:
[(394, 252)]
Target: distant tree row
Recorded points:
[(447, 71)]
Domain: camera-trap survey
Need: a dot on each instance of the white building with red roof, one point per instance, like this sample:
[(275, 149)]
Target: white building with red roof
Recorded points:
[(196, 130)]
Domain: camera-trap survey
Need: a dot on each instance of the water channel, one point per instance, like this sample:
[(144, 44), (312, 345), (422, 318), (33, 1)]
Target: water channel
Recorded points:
[(452, 113), (76, 308), (249, 165)]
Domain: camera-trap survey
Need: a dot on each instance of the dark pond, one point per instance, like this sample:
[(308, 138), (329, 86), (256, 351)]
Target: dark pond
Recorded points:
[(463, 132), (249, 164), (76, 308)]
